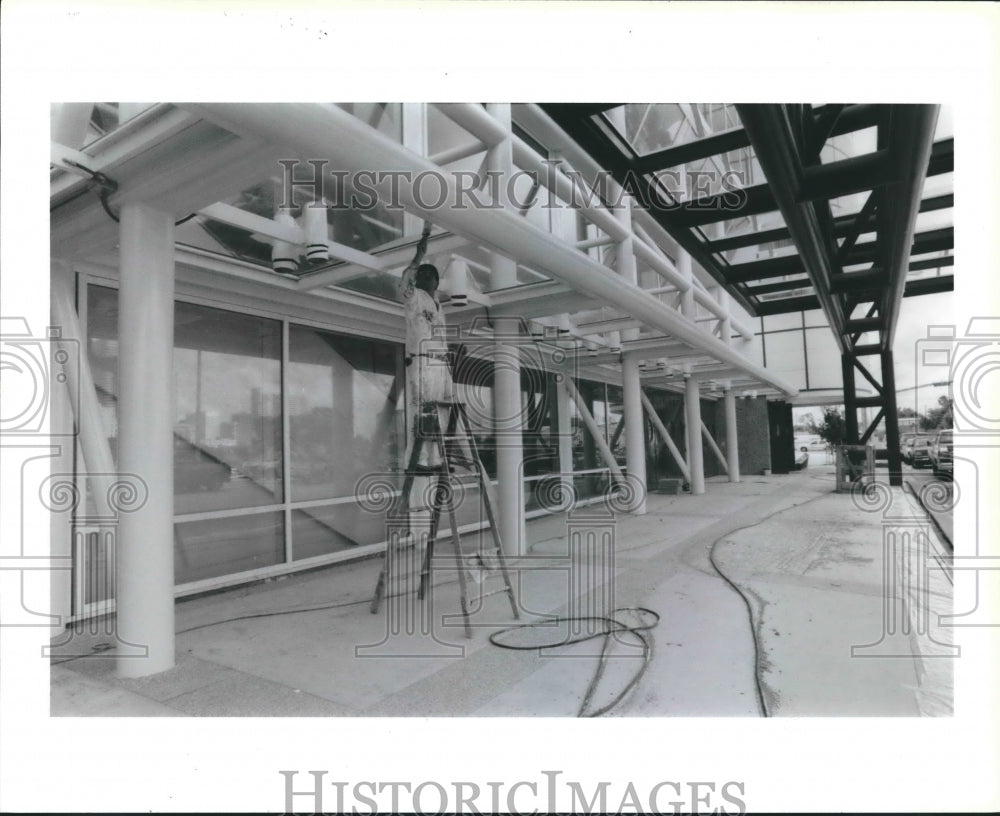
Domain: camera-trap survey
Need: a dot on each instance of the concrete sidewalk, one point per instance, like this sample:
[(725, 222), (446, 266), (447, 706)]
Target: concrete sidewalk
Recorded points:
[(808, 574)]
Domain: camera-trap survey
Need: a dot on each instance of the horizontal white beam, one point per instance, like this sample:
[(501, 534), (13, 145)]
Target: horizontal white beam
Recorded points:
[(292, 234), (326, 131)]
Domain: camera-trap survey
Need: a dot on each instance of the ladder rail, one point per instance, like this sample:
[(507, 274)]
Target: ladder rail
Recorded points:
[(458, 426)]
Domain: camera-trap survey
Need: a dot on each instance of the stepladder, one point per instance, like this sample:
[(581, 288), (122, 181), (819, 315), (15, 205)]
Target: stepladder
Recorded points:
[(454, 464)]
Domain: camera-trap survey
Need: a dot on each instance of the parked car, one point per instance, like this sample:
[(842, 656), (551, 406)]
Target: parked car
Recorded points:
[(905, 442), (802, 458), (940, 454), (920, 451)]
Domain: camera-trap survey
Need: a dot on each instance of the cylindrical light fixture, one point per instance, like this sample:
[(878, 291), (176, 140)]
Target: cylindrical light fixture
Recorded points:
[(316, 230), (615, 341), (284, 255), (456, 281)]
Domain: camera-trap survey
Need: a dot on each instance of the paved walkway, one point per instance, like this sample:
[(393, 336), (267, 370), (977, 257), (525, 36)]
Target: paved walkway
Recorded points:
[(805, 571)]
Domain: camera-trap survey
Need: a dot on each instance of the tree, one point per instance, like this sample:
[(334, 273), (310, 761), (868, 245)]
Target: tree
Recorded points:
[(833, 428), (806, 423), (937, 418)]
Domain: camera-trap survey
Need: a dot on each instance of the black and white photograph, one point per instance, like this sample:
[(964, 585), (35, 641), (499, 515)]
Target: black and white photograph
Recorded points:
[(353, 450)]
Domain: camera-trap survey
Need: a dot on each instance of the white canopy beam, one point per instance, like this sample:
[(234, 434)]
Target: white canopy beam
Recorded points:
[(326, 131)]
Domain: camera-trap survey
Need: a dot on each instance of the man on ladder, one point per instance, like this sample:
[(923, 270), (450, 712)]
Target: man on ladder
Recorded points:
[(440, 435), (428, 370)]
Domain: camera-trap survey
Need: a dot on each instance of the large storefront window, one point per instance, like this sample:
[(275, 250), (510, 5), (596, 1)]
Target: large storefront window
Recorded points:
[(227, 432), (255, 488), (227, 427), (346, 422)]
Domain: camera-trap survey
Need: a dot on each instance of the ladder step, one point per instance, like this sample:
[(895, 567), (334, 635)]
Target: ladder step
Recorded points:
[(422, 470), (493, 592)]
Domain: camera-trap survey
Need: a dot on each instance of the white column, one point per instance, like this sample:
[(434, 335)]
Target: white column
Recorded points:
[(692, 402), (145, 593), (732, 442), (635, 432), (508, 411), (565, 431), (508, 418), (692, 419), (414, 131), (729, 403)]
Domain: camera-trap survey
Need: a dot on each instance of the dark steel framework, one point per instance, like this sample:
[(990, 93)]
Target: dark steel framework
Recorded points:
[(787, 141)]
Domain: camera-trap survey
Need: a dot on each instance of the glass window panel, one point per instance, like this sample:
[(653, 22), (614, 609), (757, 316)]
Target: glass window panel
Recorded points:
[(346, 414), (227, 422), (785, 356), (227, 428), (615, 409), (824, 359), (791, 320), (816, 317), (102, 353), (320, 531), (208, 549), (652, 127), (541, 447)]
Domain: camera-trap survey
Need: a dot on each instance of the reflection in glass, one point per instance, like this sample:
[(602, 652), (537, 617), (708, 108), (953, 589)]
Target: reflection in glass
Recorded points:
[(210, 548), (227, 431), (345, 405)]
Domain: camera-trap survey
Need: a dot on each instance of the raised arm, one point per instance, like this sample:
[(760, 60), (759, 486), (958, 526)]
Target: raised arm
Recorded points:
[(405, 286)]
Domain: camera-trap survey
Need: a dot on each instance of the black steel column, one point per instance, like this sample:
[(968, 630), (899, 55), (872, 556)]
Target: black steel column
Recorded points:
[(891, 419), (850, 400)]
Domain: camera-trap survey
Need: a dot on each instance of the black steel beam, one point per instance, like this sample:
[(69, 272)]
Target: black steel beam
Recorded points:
[(863, 324), (852, 118), (843, 226), (867, 375), (693, 151), (868, 402), (852, 175), (891, 419), (774, 143), (929, 286), (802, 303), (871, 311), (942, 159), (931, 241), (860, 224), (780, 286), (846, 119), (820, 129), (586, 133), (768, 268), (932, 263), (937, 240), (871, 428), (725, 205), (911, 135), (867, 350), (850, 399)]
